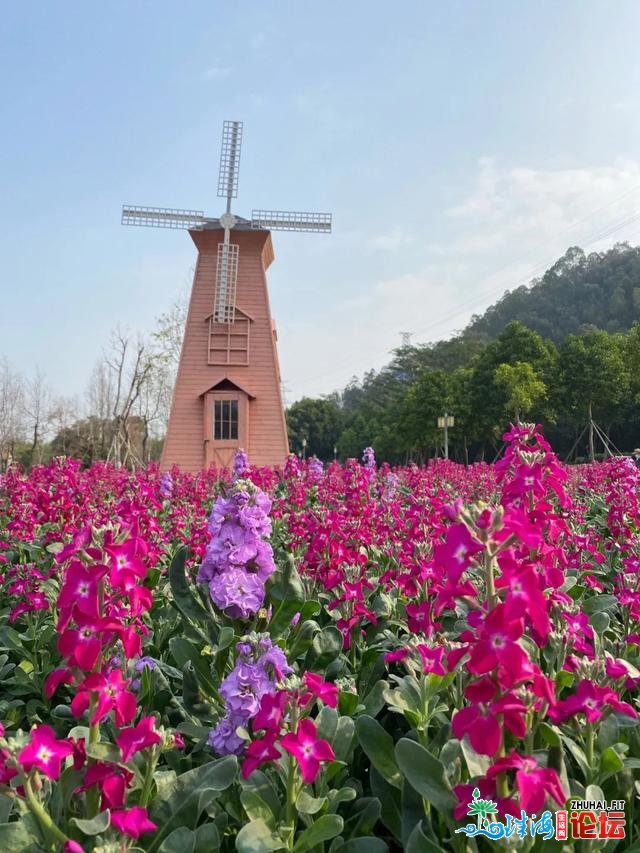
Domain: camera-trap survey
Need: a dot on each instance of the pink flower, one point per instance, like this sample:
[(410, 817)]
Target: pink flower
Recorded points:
[(592, 701), (309, 751), (71, 846), (112, 782), (132, 822), (112, 695), (498, 644), (270, 712), (534, 782), (320, 689), (457, 551), (138, 737), (258, 752), (45, 752)]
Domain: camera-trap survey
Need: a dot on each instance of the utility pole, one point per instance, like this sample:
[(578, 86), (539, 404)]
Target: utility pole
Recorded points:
[(444, 423)]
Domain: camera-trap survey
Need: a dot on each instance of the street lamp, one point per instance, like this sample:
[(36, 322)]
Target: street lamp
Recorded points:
[(304, 448), (444, 423)]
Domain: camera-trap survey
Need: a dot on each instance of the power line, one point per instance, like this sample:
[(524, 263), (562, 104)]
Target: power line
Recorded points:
[(543, 265)]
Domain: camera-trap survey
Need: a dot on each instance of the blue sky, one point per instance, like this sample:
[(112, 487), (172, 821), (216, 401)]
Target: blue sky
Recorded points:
[(461, 146)]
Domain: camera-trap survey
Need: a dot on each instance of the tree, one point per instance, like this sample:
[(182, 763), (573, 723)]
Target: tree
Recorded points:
[(592, 381), (522, 386), (489, 398), (318, 421), (11, 412), (427, 400)]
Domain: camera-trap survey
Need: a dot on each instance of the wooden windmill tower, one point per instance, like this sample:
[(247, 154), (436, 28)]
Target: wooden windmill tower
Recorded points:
[(227, 393)]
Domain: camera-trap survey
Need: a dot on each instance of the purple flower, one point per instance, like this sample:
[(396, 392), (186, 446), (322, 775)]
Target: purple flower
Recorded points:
[(145, 662), (237, 592), (240, 464), (369, 458), (258, 670), (316, 468), (244, 687), (224, 739), (166, 485)]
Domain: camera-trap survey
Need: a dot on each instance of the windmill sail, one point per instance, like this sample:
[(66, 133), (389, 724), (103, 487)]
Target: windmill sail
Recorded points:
[(230, 160), (163, 217), (224, 306), (290, 220)]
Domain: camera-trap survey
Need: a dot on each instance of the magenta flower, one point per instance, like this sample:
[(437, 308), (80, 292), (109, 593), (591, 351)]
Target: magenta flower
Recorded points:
[(457, 552), (270, 712), (138, 737), (497, 644), (258, 752), (534, 783), (112, 695), (307, 749), (323, 690), (45, 752), (592, 701), (132, 822)]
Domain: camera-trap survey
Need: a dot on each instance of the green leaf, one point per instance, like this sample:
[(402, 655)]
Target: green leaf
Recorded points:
[(181, 840), (104, 752), (327, 723), (550, 734), (419, 843), (256, 837), (6, 804), (207, 839), (260, 783), (94, 826), (325, 647), (343, 738), (610, 761), (597, 603), (324, 829), (390, 803), (181, 803), (477, 765), (182, 594), (307, 804), (600, 622), (364, 816), (16, 838), (377, 745), (364, 844), (425, 773), (256, 808)]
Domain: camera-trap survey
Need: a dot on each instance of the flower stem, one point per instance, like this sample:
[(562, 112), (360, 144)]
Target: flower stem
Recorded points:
[(40, 813)]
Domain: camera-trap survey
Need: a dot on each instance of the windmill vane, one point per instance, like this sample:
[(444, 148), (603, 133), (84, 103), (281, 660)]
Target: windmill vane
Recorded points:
[(235, 357), (193, 220)]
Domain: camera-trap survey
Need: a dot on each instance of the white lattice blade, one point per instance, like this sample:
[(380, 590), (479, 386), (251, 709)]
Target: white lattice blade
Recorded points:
[(163, 217), (224, 306), (290, 220), (230, 159)]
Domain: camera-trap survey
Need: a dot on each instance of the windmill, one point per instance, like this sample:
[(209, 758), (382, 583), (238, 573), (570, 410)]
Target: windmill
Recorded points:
[(227, 393)]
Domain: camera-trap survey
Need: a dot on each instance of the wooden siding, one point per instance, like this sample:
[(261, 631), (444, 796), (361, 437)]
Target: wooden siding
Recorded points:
[(266, 436)]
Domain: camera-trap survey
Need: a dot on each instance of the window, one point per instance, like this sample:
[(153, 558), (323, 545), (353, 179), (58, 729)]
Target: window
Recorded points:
[(229, 342), (225, 420)]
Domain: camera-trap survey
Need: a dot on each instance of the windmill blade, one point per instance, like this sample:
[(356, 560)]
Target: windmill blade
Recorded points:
[(290, 220), (163, 217), (230, 159), (224, 306)]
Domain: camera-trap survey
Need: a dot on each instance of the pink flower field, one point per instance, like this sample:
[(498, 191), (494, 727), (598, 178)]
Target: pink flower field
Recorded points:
[(351, 659)]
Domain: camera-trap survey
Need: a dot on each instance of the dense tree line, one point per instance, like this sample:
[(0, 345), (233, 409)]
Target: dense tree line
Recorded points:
[(586, 392), (564, 350)]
